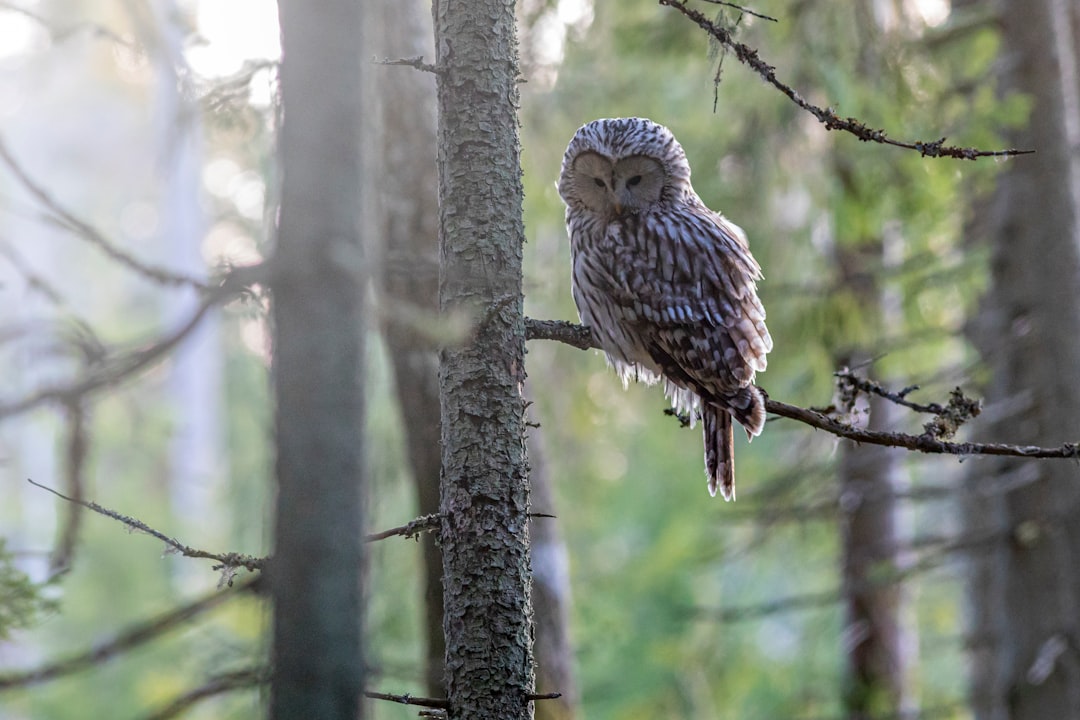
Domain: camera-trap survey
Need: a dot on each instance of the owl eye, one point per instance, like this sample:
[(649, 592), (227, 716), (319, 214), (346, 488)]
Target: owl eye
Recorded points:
[(599, 182), (633, 181)]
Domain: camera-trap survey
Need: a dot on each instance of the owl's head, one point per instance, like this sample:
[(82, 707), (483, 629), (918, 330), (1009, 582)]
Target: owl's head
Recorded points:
[(615, 166)]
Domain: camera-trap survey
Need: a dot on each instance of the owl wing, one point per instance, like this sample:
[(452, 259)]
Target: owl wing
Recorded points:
[(689, 284)]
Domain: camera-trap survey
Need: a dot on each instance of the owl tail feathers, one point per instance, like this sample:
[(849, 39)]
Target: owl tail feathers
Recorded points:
[(719, 451)]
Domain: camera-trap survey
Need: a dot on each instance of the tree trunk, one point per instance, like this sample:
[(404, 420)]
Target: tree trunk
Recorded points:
[(485, 494), (315, 576), (873, 635), (408, 230), (1026, 583)]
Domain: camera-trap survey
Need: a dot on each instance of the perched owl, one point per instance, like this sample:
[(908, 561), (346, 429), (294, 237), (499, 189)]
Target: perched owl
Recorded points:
[(667, 286)]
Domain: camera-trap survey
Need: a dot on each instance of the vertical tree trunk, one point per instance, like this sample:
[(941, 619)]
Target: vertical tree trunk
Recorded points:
[(873, 636), (408, 229), (485, 494), (1026, 584), (318, 318)]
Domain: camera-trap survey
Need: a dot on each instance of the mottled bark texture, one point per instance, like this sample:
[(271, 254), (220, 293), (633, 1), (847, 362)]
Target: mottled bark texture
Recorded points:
[(1025, 586), (485, 495), (408, 233), (315, 576)]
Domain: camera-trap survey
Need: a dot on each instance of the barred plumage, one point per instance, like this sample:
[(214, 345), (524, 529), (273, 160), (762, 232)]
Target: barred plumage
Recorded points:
[(668, 287)]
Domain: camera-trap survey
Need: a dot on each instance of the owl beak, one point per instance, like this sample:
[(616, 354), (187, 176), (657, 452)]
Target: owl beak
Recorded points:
[(618, 209)]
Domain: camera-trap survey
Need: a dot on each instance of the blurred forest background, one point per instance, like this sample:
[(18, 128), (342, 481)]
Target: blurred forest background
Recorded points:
[(844, 583)]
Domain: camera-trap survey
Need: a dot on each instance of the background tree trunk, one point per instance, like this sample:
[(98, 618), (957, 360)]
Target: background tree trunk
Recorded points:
[(550, 594), (485, 494), (318, 362), (1025, 590), (873, 635), (408, 231)]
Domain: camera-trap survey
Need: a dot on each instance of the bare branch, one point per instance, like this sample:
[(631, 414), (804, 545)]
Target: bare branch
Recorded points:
[(117, 369), (217, 685), (229, 561), (413, 62), (409, 699), (132, 637), (87, 232), (410, 529), (748, 56), (580, 337), (900, 398), (742, 9)]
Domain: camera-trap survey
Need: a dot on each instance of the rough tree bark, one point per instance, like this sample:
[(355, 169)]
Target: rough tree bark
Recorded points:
[(408, 229), (315, 576), (1025, 589), (485, 495)]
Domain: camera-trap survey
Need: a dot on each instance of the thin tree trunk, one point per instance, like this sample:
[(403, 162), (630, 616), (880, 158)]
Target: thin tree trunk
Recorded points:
[(1025, 589), (873, 635), (316, 575), (485, 493), (408, 230)]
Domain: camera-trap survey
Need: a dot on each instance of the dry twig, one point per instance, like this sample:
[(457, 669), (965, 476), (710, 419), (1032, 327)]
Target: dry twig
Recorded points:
[(749, 56)]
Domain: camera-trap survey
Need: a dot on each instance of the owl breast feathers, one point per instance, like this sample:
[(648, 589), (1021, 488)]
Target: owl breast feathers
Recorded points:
[(667, 286)]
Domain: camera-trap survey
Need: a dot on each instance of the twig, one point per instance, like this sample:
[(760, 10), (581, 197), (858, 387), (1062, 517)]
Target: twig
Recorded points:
[(217, 685), (748, 56), (410, 529), (742, 9), (134, 636), (900, 398), (228, 560), (114, 370), (416, 61), (91, 234), (409, 699), (580, 337), (532, 697)]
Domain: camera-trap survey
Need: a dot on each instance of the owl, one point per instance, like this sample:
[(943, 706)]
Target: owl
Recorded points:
[(667, 286)]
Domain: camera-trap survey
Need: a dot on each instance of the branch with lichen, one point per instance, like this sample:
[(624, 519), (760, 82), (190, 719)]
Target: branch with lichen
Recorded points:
[(933, 439), (749, 56)]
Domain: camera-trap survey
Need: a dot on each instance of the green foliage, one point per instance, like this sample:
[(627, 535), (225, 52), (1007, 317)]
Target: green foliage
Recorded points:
[(837, 225), (22, 601)]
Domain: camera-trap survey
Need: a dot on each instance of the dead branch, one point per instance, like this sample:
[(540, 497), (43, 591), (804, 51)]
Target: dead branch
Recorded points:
[(580, 337), (409, 699), (80, 228), (111, 371), (134, 636), (410, 529), (229, 562), (749, 56), (413, 62), (217, 685)]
